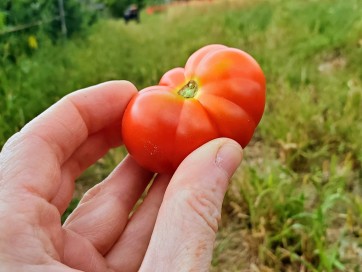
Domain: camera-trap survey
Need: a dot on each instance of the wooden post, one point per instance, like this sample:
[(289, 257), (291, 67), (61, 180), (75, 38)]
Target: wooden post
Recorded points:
[(62, 17)]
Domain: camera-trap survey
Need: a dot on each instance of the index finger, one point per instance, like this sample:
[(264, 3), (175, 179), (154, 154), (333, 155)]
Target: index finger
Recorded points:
[(36, 153), (68, 123)]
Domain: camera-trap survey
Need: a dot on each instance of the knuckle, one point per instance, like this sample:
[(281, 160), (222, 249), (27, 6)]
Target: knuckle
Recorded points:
[(92, 193), (205, 206)]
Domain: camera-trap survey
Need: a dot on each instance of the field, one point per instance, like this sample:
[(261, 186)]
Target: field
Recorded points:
[(295, 203)]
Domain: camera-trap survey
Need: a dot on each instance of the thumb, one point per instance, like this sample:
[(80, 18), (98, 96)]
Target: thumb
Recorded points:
[(187, 222)]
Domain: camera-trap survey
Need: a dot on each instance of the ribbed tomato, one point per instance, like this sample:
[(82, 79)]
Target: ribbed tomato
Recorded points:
[(219, 93)]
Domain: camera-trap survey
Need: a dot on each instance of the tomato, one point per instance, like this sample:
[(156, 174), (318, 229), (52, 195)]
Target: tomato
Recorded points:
[(219, 93)]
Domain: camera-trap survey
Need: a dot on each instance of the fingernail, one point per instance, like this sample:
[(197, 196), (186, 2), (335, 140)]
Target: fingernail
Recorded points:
[(229, 157)]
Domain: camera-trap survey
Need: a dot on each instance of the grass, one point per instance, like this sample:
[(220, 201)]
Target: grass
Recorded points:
[(295, 204)]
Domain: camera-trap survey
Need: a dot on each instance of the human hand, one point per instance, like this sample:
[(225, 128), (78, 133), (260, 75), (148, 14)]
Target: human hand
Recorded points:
[(172, 230)]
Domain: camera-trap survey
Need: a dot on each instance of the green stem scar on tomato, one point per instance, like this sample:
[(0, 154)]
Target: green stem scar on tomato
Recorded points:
[(189, 90), (219, 93)]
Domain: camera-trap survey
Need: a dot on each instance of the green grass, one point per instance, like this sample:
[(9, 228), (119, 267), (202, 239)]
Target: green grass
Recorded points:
[(296, 202)]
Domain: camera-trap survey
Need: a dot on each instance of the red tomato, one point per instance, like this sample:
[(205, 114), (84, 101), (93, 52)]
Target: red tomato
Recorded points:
[(219, 93)]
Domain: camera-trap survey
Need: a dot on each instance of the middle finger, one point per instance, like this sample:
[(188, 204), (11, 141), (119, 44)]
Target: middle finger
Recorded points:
[(103, 212)]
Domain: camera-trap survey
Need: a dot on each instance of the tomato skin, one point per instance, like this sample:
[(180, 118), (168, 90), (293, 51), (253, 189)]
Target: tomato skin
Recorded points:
[(163, 124)]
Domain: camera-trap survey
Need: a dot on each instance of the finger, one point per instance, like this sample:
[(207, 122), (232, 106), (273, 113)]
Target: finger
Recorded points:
[(51, 138), (78, 253), (104, 211), (130, 249), (95, 147), (68, 123), (188, 217)]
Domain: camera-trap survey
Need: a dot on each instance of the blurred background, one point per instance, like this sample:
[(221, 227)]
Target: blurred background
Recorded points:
[(295, 203)]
